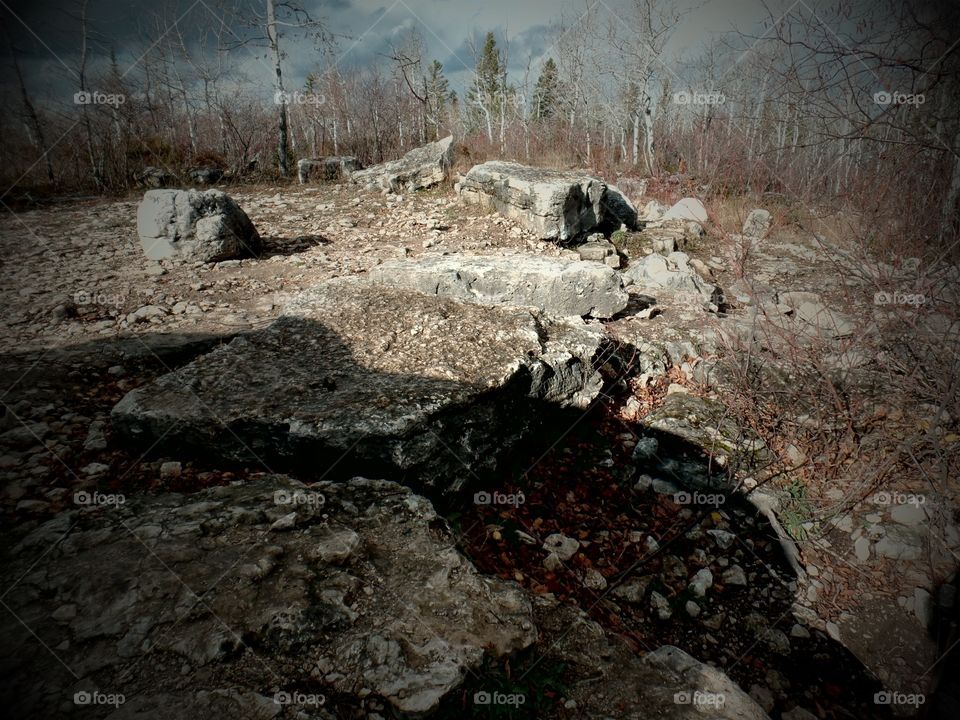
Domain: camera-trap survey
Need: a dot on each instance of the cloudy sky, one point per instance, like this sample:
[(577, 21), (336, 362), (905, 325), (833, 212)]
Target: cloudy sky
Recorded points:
[(46, 33)]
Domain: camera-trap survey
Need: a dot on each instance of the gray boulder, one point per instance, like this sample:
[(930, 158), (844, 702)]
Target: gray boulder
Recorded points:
[(154, 177), (269, 585), (327, 169), (757, 224), (555, 204), (192, 225), (672, 272), (600, 250), (433, 390), (419, 169), (556, 287), (207, 175), (687, 209), (654, 210)]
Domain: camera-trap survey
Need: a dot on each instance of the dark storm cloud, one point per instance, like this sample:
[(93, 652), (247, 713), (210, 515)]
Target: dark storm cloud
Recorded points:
[(47, 35)]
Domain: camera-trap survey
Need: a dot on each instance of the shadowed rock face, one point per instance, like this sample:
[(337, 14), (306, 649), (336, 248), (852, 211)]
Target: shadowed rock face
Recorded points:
[(666, 683), (189, 225), (618, 211), (268, 598), (556, 287), (263, 586), (421, 168), (430, 389), (557, 205)]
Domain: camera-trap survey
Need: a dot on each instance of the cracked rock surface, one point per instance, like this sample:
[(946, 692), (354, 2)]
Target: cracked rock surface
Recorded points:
[(556, 287), (400, 381), (177, 602)]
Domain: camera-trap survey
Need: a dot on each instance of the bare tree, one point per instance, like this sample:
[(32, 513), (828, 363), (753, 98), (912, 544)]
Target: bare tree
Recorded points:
[(267, 29), (34, 126)]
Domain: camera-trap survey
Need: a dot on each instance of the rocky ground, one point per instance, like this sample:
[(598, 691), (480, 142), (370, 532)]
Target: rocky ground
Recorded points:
[(634, 531)]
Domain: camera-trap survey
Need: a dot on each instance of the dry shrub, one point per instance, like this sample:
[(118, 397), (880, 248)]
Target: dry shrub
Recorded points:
[(876, 412)]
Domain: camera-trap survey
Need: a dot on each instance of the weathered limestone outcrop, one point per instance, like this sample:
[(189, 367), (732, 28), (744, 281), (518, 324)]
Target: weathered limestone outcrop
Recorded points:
[(555, 204), (416, 386), (421, 168), (556, 287), (240, 598), (672, 272)]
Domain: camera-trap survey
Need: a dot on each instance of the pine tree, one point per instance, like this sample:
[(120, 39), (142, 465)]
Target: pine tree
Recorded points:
[(487, 93), (438, 94), (547, 91)]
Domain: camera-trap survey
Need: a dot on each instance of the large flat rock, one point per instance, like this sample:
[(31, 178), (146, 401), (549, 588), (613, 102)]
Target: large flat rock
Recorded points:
[(555, 204), (426, 388), (275, 599), (421, 168), (556, 287), (240, 601)]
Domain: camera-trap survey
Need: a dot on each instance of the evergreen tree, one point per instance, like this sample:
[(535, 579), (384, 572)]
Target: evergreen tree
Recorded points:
[(547, 91), (488, 91), (437, 94)]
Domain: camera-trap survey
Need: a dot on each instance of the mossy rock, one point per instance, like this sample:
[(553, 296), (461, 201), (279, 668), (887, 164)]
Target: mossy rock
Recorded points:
[(630, 243)]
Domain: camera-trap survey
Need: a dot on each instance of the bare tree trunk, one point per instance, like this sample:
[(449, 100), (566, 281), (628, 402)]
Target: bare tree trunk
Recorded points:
[(35, 125), (648, 138), (84, 110), (484, 106), (280, 96), (191, 130)]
